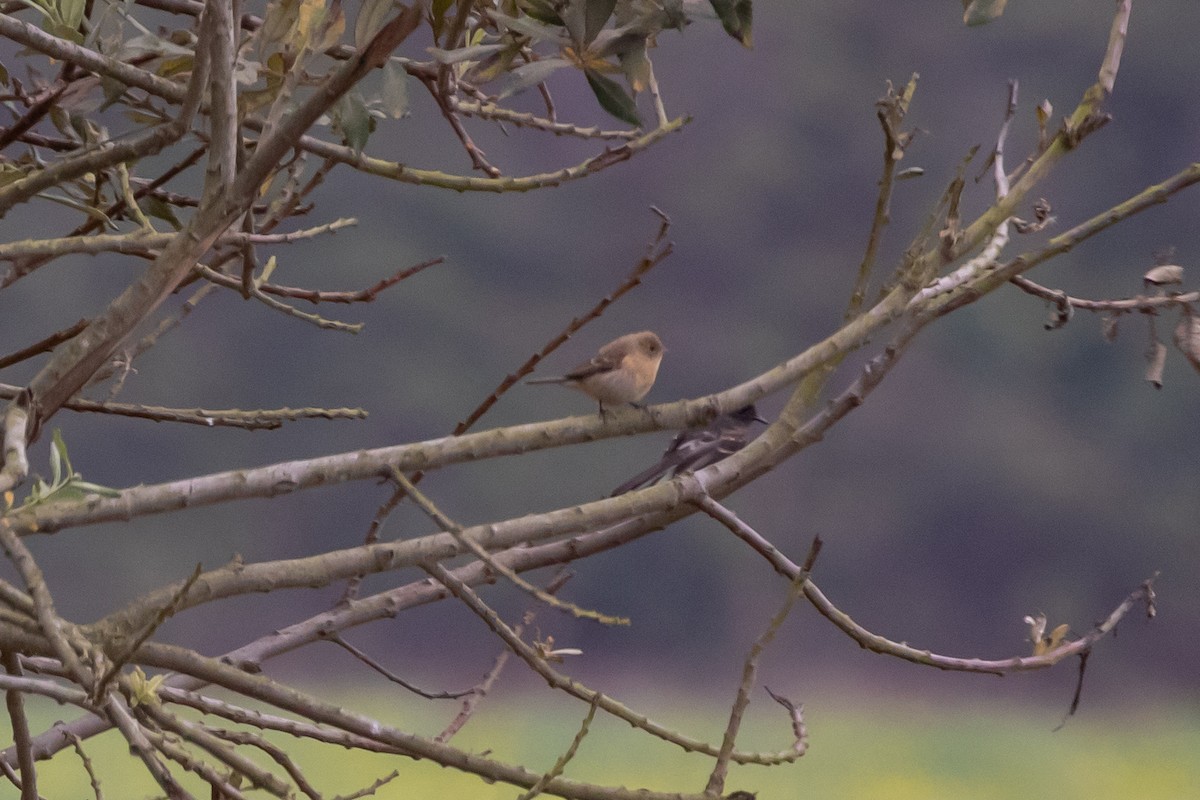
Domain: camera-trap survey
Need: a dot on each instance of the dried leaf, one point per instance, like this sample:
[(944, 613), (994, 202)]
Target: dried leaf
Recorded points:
[(1044, 110), (1156, 359), (309, 17), (1056, 637), (1187, 337), (335, 26), (1060, 314), (371, 18), (636, 66), (1037, 629), (1109, 327), (1163, 275)]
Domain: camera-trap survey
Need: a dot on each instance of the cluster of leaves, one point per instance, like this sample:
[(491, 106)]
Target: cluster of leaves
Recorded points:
[(64, 484), (580, 37), (1165, 278)]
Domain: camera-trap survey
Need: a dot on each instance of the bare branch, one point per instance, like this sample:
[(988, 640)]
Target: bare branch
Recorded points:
[(716, 779), (20, 728), (448, 525)]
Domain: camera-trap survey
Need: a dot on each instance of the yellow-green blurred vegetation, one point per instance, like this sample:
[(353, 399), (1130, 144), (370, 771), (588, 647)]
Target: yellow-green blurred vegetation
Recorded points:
[(859, 749)]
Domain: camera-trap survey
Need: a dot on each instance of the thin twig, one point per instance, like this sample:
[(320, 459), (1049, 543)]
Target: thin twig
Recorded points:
[(890, 110), (276, 753), (255, 419), (165, 613), (336, 638), (51, 624), (1083, 662), (20, 728), (367, 791), (561, 763), (439, 93), (45, 345), (259, 719), (656, 252), (88, 767), (489, 110), (481, 689), (561, 682), (205, 740), (318, 296), (454, 529), (716, 779), (1141, 303)]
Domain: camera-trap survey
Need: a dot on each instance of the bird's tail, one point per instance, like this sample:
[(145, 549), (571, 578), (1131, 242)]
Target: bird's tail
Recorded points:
[(643, 478), (547, 380)]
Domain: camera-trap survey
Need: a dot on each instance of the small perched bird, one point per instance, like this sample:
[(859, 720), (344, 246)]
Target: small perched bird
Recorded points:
[(622, 372), (695, 449)]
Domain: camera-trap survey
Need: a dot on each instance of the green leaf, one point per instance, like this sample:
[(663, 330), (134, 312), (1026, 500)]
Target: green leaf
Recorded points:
[(584, 19), (529, 26), (95, 488), (10, 173), (70, 12), (596, 17), (492, 67), (160, 209), (58, 451), (394, 93), (113, 89), (61, 446), (980, 12), (354, 121), (735, 16), (473, 53), (437, 15), (55, 28), (541, 10), (619, 41), (528, 75), (613, 98), (71, 202)]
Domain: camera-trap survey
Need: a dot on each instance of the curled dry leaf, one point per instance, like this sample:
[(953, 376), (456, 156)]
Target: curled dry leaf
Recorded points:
[(1156, 358), (1164, 275), (1037, 626), (1043, 642), (1060, 314), (1109, 327), (1187, 337)]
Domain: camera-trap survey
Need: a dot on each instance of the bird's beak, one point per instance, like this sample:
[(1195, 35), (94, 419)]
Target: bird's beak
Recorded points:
[(759, 418)]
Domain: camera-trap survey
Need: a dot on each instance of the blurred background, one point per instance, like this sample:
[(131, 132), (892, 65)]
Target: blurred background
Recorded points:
[(1001, 470)]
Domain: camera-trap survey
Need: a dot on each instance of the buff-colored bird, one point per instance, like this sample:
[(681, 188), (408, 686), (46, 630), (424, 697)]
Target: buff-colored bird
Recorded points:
[(622, 372)]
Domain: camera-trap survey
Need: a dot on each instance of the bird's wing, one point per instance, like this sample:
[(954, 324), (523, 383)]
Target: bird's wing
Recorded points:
[(687, 449), (597, 365)]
